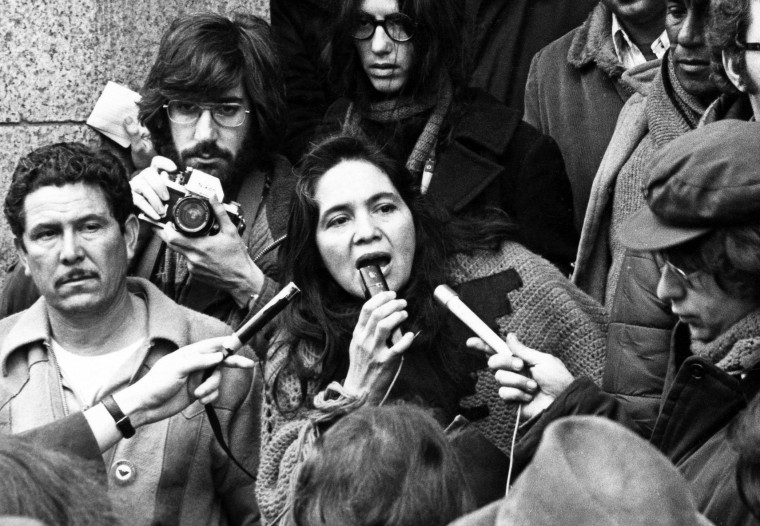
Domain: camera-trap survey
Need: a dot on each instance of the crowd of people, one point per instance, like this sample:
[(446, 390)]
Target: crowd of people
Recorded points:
[(608, 236)]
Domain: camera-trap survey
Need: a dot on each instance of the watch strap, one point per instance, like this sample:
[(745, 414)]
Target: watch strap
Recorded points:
[(122, 421)]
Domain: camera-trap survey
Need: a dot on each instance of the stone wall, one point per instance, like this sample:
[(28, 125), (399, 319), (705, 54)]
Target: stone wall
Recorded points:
[(57, 57)]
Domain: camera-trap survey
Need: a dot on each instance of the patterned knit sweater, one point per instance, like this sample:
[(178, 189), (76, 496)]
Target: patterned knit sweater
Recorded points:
[(549, 314)]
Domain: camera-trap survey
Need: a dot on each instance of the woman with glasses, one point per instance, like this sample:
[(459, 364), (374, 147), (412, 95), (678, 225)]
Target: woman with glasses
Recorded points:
[(403, 71), (703, 226)]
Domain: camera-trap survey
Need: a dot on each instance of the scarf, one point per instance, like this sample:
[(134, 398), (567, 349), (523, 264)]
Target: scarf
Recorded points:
[(398, 109), (737, 349)]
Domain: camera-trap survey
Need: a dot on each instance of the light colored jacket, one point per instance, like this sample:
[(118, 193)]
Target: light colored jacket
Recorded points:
[(170, 472)]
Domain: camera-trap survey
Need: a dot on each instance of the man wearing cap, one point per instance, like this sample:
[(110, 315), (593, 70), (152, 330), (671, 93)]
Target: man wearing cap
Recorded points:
[(702, 225)]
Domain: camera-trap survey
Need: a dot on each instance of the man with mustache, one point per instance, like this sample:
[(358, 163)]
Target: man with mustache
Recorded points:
[(95, 332)]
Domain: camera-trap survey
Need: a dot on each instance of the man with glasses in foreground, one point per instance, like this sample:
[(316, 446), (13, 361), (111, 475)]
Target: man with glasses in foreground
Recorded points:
[(213, 101), (703, 222)]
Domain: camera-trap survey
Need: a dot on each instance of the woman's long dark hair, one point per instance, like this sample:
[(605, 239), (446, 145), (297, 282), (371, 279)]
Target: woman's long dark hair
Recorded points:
[(439, 41), (323, 317)]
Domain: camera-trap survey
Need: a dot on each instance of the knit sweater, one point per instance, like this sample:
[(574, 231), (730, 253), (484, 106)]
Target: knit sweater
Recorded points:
[(548, 314), (670, 113)]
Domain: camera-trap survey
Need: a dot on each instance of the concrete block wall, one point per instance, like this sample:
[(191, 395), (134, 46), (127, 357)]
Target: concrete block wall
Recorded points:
[(57, 56)]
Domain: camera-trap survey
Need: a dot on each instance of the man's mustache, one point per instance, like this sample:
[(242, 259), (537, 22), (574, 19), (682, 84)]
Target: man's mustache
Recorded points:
[(74, 275), (206, 149)]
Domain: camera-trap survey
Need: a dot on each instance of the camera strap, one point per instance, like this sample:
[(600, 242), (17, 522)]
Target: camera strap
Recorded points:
[(216, 427)]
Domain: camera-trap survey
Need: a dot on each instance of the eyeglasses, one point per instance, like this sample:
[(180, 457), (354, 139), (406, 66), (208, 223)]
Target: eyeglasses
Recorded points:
[(398, 26), (687, 279), (748, 46), (227, 114)]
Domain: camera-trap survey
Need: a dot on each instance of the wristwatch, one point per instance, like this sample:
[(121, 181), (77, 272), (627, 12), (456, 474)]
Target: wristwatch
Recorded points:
[(122, 421)]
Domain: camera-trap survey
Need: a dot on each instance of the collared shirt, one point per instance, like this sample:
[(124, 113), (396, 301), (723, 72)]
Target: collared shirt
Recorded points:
[(629, 53)]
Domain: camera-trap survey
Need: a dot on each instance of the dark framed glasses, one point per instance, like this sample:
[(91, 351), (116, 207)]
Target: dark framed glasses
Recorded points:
[(227, 114), (398, 26), (748, 46), (685, 278)]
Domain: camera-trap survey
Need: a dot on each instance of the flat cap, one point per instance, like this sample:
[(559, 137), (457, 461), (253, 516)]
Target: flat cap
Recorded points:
[(706, 179)]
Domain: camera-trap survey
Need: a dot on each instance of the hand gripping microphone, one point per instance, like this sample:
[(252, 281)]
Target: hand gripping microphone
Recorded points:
[(449, 299), (374, 283), (246, 331)]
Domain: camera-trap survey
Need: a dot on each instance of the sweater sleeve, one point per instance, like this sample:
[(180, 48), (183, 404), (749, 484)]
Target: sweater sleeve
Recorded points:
[(287, 436)]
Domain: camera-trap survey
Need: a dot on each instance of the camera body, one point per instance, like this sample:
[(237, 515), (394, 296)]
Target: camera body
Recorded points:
[(190, 210)]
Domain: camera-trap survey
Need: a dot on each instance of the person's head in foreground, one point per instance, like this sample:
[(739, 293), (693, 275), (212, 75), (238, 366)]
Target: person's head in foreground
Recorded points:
[(50, 486), (70, 210), (389, 466), (703, 226), (590, 470)]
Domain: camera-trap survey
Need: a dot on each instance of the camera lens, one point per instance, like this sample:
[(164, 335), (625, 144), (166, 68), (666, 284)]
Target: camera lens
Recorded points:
[(192, 215)]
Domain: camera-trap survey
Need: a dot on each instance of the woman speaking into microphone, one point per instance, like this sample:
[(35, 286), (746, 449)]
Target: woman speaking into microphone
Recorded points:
[(334, 349)]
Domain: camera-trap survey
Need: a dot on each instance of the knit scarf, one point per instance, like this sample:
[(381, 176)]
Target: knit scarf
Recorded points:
[(737, 349), (398, 109), (671, 110)]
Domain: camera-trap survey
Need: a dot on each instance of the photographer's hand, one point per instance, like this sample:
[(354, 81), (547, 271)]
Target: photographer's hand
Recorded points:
[(220, 260), (149, 191)]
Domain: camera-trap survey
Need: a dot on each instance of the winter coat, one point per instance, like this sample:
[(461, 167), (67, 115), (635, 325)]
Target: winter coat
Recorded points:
[(574, 93), (699, 404), (170, 472), (640, 323), (491, 158)]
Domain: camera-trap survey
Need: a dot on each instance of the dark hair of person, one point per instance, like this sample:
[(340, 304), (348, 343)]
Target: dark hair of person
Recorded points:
[(323, 316), (439, 49), (728, 24), (731, 255), (50, 486), (68, 163), (388, 465), (744, 436), (201, 56)]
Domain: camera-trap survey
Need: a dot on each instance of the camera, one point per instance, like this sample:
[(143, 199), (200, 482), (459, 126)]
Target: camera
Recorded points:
[(188, 207)]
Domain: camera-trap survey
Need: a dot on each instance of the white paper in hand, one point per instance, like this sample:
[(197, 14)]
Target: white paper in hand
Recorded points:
[(116, 103)]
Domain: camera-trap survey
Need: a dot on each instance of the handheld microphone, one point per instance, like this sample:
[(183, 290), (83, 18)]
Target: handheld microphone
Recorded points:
[(374, 283), (246, 331), (449, 299)]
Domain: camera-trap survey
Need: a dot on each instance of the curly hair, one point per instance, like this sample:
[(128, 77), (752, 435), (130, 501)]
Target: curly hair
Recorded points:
[(327, 326), (382, 465), (68, 163), (439, 48), (730, 254), (201, 56), (50, 486), (727, 27)]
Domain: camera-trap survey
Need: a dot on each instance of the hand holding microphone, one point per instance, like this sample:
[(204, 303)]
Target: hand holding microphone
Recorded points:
[(525, 375)]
